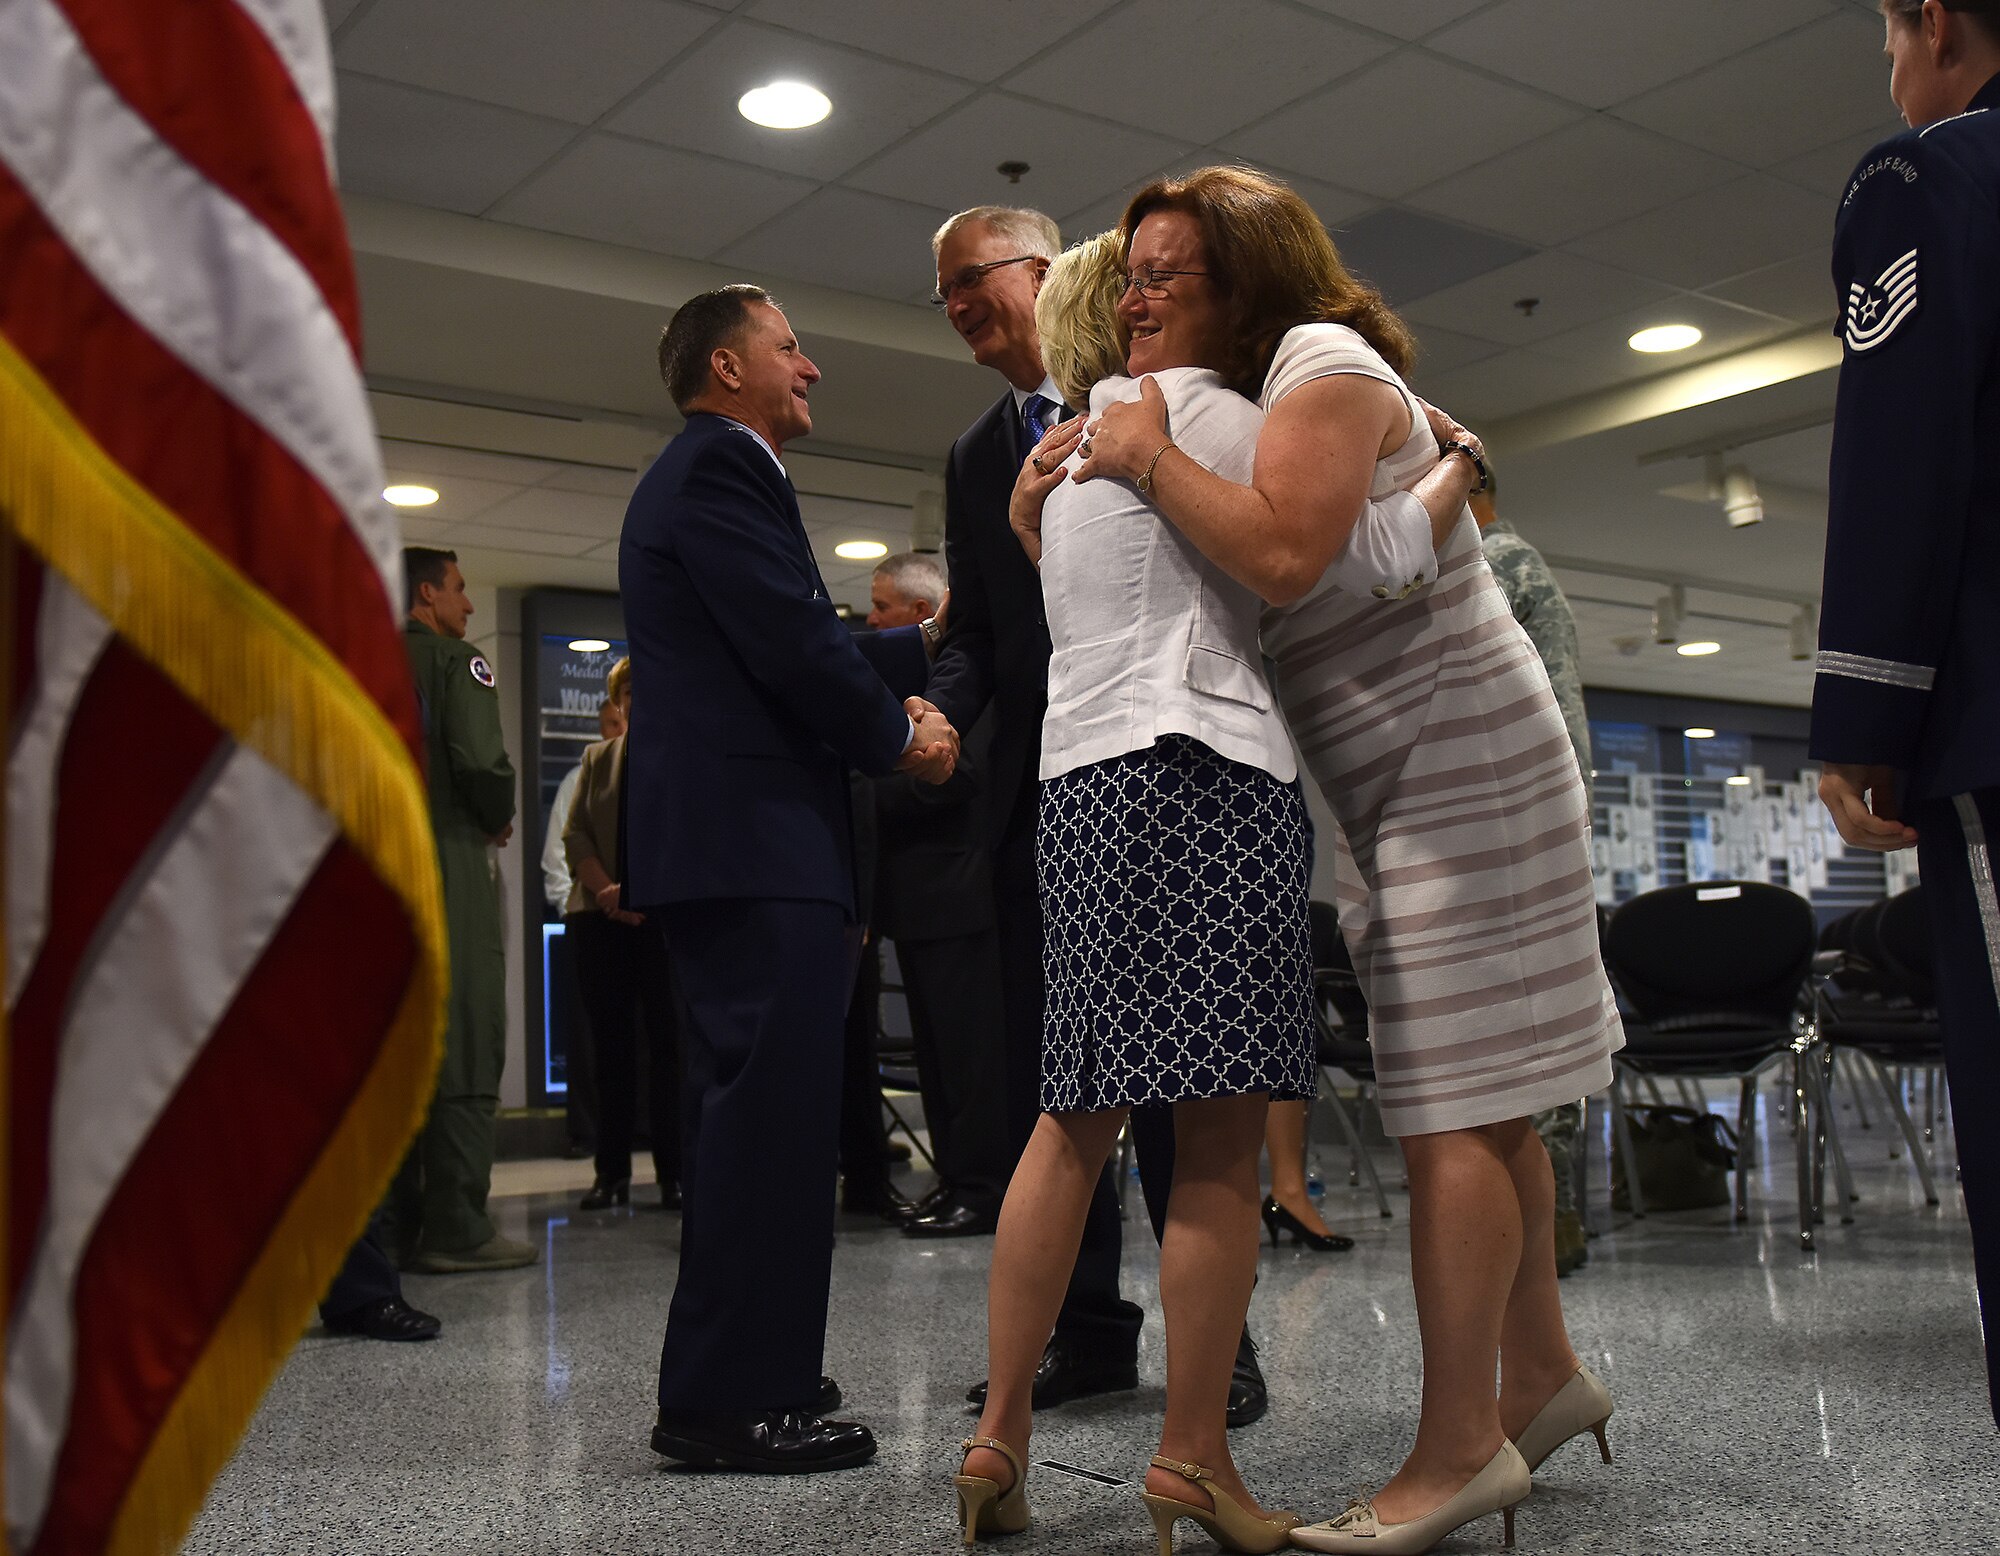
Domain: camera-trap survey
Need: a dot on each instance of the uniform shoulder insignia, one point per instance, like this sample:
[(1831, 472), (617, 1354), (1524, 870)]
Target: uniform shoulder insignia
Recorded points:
[(1876, 309), (482, 672)]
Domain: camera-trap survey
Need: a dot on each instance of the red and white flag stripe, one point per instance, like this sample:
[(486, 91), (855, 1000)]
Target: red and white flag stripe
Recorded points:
[(223, 954)]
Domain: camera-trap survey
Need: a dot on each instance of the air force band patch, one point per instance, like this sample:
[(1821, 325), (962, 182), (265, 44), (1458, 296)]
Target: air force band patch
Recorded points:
[(1876, 309), (482, 672)]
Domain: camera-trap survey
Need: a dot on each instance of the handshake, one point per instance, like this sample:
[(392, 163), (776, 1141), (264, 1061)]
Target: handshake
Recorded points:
[(932, 754)]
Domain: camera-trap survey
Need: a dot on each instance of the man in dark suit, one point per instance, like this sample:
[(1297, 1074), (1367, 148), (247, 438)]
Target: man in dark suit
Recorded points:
[(738, 840), (934, 899), (990, 265)]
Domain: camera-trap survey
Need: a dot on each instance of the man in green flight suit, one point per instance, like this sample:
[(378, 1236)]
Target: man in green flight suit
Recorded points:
[(1539, 606), (438, 1202)]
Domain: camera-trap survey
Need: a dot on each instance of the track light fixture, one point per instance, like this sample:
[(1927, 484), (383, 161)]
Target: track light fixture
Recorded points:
[(1668, 613), (1805, 633), (1736, 489)]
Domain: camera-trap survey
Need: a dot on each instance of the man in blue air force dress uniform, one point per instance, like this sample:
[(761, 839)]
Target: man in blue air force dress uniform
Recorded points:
[(1906, 704), (738, 843)]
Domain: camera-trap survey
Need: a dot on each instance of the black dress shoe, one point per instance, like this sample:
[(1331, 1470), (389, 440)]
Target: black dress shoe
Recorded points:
[(783, 1442), (829, 1398), (882, 1199), (951, 1217), (670, 1196), (1248, 1397), (387, 1318), (605, 1193), (1065, 1374)]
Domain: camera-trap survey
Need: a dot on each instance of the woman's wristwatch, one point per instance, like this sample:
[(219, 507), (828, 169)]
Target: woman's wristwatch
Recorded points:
[(1453, 446), (1145, 481)]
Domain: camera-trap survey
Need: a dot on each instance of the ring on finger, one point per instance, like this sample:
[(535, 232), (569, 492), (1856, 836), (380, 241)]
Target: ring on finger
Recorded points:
[(1083, 448), (1037, 463)]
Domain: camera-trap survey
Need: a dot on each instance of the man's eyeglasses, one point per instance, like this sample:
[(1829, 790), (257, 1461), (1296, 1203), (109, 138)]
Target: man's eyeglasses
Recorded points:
[(1153, 283), (972, 276)]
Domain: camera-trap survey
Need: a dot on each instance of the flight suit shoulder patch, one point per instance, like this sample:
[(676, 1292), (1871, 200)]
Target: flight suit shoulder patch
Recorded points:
[(482, 672)]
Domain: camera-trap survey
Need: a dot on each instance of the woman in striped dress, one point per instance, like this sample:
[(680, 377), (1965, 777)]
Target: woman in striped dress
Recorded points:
[(1429, 725)]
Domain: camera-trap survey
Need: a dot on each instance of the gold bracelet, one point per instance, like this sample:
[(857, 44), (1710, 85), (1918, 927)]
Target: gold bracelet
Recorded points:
[(1145, 481)]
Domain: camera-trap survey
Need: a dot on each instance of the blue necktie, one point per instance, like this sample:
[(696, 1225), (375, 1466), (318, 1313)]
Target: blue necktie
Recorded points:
[(1039, 414)]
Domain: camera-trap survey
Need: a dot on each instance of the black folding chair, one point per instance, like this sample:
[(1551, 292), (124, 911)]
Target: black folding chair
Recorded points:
[(1340, 1012), (896, 1065), (1716, 973), (1877, 1008)]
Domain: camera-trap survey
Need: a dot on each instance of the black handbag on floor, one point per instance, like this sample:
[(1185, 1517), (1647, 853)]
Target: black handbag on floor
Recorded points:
[(1684, 1159)]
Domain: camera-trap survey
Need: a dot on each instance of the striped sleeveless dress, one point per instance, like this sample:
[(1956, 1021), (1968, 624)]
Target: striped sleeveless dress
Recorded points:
[(1464, 857)]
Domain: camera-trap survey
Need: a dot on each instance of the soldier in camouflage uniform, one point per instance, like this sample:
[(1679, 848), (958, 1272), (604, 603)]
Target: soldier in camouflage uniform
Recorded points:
[(437, 1204), (1539, 606)]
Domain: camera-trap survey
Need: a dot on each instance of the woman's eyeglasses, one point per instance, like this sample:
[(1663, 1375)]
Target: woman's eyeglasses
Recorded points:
[(972, 276), (1153, 283)]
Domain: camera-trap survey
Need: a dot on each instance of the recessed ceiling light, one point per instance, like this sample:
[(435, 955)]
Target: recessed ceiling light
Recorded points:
[(1738, 780), (1665, 337), (588, 645), (1698, 733), (861, 550), (1697, 650), (410, 496), (784, 105)]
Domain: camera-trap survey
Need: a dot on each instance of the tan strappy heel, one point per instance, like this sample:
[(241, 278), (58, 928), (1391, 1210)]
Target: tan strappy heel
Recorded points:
[(983, 1507), (1230, 1526)]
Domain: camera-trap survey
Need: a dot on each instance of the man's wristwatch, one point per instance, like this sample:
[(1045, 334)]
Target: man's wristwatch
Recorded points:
[(933, 633)]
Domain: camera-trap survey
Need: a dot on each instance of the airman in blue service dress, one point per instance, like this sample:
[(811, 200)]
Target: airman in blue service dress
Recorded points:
[(1909, 662)]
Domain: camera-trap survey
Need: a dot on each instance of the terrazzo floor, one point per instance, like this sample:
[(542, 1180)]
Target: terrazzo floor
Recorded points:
[(1768, 1401)]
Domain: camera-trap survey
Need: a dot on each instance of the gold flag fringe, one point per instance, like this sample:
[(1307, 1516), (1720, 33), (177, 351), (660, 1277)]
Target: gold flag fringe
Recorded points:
[(274, 687)]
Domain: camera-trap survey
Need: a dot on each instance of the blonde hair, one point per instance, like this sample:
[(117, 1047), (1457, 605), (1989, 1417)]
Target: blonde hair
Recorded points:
[(619, 681), (1273, 267), (1031, 230), (1083, 339)]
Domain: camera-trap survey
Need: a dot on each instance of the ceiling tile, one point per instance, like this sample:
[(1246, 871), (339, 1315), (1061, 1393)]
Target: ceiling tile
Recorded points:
[(594, 480), (1603, 345), (841, 237), (338, 11), (1439, 350), (1715, 234), (923, 32), (1584, 176), (1827, 170), (552, 512), (650, 197), (459, 497), (1566, 291), (1332, 206), (405, 144), (875, 103), (1073, 160), (1399, 125), (1498, 387), (1780, 99), (1404, 18), (570, 61), (1799, 289), (1195, 70), (536, 542), (1409, 256), (1598, 54), (439, 460)]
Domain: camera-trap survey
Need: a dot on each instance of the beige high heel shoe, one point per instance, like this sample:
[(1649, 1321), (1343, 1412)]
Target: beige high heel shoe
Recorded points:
[(1499, 1488), (983, 1507), (1581, 1405), (1232, 1527)]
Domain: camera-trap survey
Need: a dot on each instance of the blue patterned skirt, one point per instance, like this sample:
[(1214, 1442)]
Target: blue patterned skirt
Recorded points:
[(1174, 889)]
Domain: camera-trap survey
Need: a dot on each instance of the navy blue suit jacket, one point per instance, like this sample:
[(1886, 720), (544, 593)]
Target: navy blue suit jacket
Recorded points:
[(751, 698)]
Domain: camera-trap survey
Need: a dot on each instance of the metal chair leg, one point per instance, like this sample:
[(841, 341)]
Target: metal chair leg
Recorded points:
[(1746, 1143), (1918, 1155), (1350, 1128), (1622, 1129), (1855, 1090), (1931, 1114), (1821, 1075), (1801, 1110)]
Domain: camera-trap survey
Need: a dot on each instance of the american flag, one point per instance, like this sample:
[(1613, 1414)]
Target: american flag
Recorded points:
[(224, 945)]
